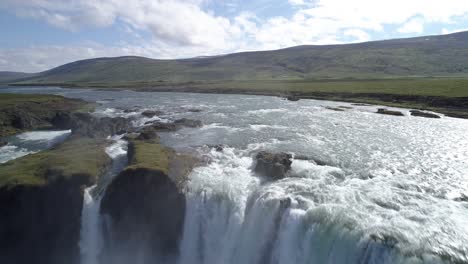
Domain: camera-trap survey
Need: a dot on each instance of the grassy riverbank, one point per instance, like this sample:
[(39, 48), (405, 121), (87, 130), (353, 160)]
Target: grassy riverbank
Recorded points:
[(445, 95)]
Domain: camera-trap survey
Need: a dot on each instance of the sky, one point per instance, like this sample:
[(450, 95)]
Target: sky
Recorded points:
[(37, 35)]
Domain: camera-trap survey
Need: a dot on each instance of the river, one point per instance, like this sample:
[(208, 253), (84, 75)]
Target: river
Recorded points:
[(364, 187)]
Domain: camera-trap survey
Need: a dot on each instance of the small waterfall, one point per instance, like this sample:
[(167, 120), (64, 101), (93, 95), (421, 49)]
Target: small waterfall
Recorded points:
[(91, 242), (91, 233)]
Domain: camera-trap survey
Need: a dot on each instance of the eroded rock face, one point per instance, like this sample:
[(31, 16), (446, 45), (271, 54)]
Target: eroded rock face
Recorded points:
[(84, 124), (423, 114), (273, 165), (41, 224), (145, 206), (147, 213)]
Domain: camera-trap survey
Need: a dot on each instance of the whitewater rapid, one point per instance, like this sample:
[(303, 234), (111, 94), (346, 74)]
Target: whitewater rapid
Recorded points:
[(364, 187), (30, 142), (91, 236), (233, 216)]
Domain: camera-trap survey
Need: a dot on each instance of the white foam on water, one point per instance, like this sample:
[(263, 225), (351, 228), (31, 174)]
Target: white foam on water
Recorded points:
[(44, 135), (11, 152), (266, 127), (91, 234), (31, 142), (316, 216)]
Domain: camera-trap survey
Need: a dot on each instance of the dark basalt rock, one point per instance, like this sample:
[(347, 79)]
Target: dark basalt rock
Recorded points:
[(293, 98), (194, 110), (147, 211), (178, 124), (159, 126), (423, 114), (3, 143), (25, 121), (146, 206), (384, 111), (85, 124), (41, 224), (462, 198), (273, 165), (188, 122), (338, 109), (151, 113), (148, 133)]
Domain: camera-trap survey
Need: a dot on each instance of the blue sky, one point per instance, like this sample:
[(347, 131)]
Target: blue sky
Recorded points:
[(41, 34)]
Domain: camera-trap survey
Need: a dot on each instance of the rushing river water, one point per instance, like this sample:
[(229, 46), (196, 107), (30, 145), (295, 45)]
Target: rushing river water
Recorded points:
[(364, 187)]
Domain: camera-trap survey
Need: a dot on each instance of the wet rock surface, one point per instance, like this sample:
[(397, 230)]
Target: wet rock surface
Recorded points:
[(151, 113), (184, 122), (384, 111), (148, 133), (85, 124), (177, 124), (423, 114), (274, 166)]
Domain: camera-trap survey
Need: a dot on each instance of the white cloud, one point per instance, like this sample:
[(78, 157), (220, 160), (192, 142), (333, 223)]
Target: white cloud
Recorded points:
[(184, 28), (451, 31), (357, 34), (415, 25)]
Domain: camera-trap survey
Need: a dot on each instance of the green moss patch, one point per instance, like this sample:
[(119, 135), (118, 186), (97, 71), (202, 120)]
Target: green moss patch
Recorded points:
[(149, 155), (75, 157)]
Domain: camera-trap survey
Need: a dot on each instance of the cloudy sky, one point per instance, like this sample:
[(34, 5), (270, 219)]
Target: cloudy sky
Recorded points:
[(39, 34)]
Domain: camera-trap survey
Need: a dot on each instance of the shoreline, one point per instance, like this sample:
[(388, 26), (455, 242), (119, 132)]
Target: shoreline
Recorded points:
[(456, 107)]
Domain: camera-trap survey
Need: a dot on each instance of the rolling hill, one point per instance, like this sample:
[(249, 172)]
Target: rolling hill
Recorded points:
[(442, 56)]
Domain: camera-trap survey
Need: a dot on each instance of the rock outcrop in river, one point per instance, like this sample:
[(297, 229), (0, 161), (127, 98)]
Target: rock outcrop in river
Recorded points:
[(273, 165), (41, 198), (145, 205)]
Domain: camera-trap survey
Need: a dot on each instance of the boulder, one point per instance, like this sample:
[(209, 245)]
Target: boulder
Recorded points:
[(273, 165), (423, 114), (194, 110), (462, 198), (188, 122), (293, 98), (148, 133), (3, 143), (151, 113), (384, 111), (160, 126), (338, 109), (178, 124)]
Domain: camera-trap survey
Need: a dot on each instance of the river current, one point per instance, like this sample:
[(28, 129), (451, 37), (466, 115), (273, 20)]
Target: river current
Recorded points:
[(364, 187)]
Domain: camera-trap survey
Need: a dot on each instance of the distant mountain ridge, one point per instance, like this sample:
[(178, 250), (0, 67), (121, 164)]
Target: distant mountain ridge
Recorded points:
[(443, 55)]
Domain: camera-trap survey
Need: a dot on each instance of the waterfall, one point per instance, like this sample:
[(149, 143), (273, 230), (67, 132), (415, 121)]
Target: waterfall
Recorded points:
[(232, 217), (91, 236)]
